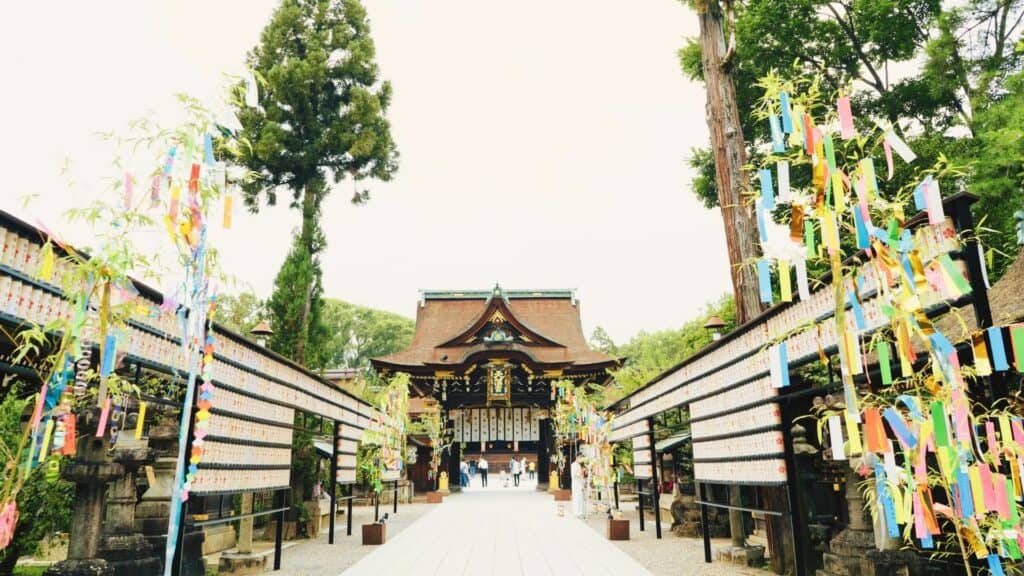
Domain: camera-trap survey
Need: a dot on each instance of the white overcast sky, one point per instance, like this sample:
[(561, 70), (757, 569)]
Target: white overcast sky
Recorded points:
[(543, 144)]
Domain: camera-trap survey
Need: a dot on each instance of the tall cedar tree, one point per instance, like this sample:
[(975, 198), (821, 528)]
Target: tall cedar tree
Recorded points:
[(320, 120)]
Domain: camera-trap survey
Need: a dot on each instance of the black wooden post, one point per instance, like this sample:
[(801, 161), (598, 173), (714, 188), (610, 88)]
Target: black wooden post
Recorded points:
[(792, 495), (705, 529), (279, 534), (655, 488), (334, 481), (616, 494), (964, 222), (376, 506), (640, 501), (348, 508), (395, 509)]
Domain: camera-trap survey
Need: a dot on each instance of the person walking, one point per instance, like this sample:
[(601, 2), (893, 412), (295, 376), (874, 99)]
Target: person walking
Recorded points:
[(533, 471), (472, 471), (482, 467), (463, 474), (522, 465), (513, 469)]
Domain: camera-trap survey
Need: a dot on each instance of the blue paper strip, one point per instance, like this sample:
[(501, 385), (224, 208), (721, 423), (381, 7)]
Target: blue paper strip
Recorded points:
[(995, 339), (899, 427), (995, 565), (885, 499), (777, 144), (926, 542), (944, 346), (764, 281), (787, 115), (208, 149), (863, 240), (767, 189), (858, 311), (963, 485), (109, 353), (784, 364), (911, 403)]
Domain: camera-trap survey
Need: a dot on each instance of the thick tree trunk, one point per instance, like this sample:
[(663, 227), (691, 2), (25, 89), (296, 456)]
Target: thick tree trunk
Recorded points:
[(311, 196), (730, 156)]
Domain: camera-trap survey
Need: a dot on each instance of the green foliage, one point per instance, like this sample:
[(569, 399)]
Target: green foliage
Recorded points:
[(997, 169), (321, 102), (358, 333), (380, 448), (295, 309), (648, 354), (944, 73), (241, 313), (44, 507)]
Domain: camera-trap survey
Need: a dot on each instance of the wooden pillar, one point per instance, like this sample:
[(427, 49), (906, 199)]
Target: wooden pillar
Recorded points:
[(543, 452)]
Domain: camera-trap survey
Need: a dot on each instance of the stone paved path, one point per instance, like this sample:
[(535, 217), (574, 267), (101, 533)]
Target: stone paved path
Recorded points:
[(514, 532)]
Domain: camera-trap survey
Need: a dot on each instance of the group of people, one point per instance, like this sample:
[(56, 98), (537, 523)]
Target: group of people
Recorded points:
[(514, 471)]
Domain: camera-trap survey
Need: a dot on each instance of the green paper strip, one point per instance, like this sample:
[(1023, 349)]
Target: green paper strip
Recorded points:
[(1010, 543), (812, 252), (830, 154), (939, 424), (894, 231), (883, 362), (958, 278), (1014, 516), (1017, 339)]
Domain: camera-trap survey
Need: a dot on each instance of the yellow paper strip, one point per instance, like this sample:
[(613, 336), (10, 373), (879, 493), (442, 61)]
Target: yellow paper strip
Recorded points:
[(227, 211), (140, 421), (976, 489), (784, 281), (46, 440), (838, 193), (853, 431)]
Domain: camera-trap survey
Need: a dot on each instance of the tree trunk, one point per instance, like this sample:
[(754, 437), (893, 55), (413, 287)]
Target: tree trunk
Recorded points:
[(311, 196), (730, 156)]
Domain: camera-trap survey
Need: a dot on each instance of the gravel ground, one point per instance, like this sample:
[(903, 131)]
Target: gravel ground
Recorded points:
[(316, 558), (672, 555)]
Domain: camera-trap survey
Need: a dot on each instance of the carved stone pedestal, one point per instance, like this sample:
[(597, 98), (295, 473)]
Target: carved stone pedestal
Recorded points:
[(90, 494), (123, 545), (854, 552)]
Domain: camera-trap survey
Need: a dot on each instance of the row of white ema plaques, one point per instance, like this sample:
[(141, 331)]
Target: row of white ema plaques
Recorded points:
[(495, 424)]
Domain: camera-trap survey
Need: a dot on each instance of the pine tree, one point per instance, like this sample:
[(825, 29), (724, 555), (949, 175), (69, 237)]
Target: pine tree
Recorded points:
[(320, 119)]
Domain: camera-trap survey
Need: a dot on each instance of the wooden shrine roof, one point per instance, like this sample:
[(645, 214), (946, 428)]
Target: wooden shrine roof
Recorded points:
[(445, 324)]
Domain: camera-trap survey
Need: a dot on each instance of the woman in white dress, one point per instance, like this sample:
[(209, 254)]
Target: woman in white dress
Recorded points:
[(579, 487)]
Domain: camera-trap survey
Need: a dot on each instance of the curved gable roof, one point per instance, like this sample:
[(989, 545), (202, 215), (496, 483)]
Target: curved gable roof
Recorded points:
[(444, 319)]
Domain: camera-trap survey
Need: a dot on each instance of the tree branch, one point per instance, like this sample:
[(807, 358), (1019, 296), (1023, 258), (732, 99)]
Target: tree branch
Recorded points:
[(847, 27)]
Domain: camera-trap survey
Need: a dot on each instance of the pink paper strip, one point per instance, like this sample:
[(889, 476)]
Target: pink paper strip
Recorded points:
[(888, 157), (1018, 433), (845, 118), (986, 487), (963, 430), (37, 412), (990, 436), (920, 526), (102, 426)]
